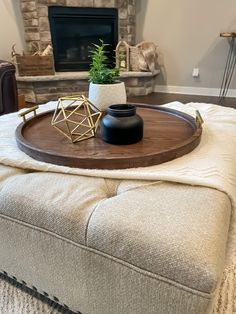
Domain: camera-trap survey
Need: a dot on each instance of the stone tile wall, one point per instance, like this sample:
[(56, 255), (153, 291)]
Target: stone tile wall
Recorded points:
[(36, 23)]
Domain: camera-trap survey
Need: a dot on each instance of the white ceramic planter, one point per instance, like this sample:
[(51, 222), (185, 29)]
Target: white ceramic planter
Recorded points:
[(104, 95)]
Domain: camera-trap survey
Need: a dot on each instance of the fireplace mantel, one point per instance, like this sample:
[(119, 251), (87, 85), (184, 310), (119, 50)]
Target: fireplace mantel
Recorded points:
[(41, 89)]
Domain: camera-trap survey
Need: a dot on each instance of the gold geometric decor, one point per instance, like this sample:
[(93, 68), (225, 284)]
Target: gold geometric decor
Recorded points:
[(76, 117)]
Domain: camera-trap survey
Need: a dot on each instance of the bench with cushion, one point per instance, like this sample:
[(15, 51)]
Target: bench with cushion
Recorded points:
[(114, 246), (149, 240)]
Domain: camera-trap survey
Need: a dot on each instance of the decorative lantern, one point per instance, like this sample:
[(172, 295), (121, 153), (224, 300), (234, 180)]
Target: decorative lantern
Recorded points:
[(76, 118), (122, 56)]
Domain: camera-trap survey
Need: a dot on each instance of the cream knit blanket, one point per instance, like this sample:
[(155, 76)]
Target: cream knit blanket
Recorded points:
[(211, 164)]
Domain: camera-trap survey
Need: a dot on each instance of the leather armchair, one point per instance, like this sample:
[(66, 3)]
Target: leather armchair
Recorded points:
[(8, 88)]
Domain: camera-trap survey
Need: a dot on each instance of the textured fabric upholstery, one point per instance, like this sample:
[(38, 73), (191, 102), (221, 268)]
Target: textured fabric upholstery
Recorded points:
[(114, 246), (88, 281)]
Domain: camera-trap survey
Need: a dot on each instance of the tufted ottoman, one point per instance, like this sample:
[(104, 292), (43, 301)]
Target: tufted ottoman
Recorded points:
[(110, 246)]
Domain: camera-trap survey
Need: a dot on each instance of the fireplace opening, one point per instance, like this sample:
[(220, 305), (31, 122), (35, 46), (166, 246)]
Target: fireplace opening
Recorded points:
[(74, 30)]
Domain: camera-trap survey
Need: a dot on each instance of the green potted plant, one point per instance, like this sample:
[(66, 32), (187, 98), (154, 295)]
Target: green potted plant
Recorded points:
[(104, 89)]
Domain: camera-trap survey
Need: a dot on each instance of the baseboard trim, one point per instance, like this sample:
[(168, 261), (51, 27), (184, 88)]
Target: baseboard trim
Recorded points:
[(192, 90)]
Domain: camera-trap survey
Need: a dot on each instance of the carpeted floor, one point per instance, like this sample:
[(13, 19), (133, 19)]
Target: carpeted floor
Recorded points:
[(14, 300), (226, 301)]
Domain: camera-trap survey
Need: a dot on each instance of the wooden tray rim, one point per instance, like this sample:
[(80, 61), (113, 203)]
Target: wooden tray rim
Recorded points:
[(194, 139)]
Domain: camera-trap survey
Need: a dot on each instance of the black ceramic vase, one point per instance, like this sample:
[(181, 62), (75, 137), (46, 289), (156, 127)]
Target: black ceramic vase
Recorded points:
[(121, 125)]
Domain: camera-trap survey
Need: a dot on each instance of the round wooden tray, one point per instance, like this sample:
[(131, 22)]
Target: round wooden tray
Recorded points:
[(168, 134)]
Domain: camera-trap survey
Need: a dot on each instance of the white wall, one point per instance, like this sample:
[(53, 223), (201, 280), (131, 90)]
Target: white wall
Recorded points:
[(187, 33), (11, 28)]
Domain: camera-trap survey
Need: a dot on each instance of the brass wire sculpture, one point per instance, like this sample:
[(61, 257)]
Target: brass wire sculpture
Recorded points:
[(76, 117)]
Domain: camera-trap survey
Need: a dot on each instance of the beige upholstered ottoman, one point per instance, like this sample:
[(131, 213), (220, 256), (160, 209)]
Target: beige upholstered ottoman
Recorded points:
[(109, 246)]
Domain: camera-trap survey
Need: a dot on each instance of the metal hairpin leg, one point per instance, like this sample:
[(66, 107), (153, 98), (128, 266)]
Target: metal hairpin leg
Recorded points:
[(229, 66)]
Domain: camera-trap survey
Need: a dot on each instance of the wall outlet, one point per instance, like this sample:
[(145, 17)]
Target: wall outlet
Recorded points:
[(195, 72)]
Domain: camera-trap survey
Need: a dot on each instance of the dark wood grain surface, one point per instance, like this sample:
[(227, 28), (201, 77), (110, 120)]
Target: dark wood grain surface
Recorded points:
[(168, 134)]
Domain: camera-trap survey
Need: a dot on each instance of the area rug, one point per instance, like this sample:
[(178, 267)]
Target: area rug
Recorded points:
[(16, 300), (226, 298)]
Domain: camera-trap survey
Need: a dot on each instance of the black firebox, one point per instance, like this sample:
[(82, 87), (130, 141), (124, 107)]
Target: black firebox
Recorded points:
[(75, 29)]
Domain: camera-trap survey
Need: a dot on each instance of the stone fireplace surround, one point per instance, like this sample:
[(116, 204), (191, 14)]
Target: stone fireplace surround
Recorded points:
[(37, 31), (36, 23)]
